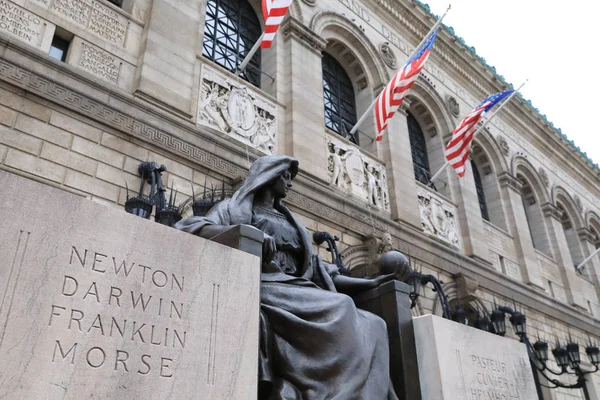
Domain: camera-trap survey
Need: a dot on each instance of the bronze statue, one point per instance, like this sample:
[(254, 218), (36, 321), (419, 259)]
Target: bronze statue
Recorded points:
[(315, 343)]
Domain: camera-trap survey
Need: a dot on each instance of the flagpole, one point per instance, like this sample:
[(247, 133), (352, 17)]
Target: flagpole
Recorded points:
[(481, 127), (249, 56), (587, 259), (416, 49)]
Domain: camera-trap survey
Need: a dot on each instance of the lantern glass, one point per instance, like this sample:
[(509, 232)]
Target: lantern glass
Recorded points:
[(499, 323), (573, 351), (518, 322), (593, 354), (461, 316), (483, 322), (561, 356), (541, 350)]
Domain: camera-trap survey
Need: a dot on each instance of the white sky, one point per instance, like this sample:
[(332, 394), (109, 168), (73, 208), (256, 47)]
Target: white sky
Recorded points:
[(552, 43)]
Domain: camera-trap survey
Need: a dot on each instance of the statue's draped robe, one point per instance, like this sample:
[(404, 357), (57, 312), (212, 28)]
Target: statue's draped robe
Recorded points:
[(315, 343)]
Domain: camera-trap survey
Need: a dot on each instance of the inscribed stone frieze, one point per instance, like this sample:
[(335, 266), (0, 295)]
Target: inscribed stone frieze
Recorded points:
[(99, 62), (93, 306), (457, 361), (353, 171), (77, 11), (237, 110), (25, 26)]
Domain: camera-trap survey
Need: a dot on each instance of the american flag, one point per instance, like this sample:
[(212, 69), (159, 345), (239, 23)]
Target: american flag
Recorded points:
[(391, 97), (274, 11), (457, 151)]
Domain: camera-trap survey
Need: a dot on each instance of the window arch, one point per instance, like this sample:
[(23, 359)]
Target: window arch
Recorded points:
[(534, 216), (338, 98), (480, 193), (571, 235), (230, 31), (418, 149)]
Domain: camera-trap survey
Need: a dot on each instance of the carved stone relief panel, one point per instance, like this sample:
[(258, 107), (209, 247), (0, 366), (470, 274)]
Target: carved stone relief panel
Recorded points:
[(438, 217), (503, 143), (453, 105), (355, 172), (544, 177), (387, 55), (237, 110)]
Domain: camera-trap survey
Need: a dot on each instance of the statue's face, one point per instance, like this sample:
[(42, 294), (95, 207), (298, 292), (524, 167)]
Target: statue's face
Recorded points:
[(282, 185)]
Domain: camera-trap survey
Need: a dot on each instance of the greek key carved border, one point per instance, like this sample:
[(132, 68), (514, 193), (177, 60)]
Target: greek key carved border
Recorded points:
[(58, 93)]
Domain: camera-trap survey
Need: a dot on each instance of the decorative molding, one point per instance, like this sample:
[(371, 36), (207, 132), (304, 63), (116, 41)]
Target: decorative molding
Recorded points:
[(311, 3), (237, 111), (453, 105), (110, 116), (355, 172), (293, 27), (586, 235), (388, 56), (544, 177), (578, 203), (551, 211), (509, 181), (438, 217), (503, 143)]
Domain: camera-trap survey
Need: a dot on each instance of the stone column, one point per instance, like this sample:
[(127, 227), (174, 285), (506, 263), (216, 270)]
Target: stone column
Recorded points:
[(562, 255), (472, 230), (519, 229), (592, 267), (167, 67), (397, 156), (302, 88)]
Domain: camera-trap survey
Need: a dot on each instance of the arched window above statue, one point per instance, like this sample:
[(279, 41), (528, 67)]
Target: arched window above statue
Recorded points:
[(338, 98), (480, 192), (418, 149), (230, 31)]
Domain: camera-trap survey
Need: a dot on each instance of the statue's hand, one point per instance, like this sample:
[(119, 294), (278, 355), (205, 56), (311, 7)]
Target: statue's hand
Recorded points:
[(269, 248)]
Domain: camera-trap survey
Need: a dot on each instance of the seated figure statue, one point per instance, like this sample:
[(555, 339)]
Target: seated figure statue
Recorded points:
[(315, 343)]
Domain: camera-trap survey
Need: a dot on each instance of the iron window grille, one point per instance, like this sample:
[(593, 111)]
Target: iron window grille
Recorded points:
[(338, 99), (418, 149), (480, 194), (230, 31)]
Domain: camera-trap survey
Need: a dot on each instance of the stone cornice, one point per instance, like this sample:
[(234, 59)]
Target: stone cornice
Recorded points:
[(508, 181), (550, 210), (293, 27)]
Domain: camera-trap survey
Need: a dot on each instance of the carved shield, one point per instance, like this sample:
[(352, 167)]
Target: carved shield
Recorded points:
[(354, 167), (241, 110)]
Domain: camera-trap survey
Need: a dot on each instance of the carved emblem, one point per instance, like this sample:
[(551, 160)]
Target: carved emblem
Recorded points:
[(544, 177), (388, 56), (438, 218), (356, 173), (235, 110), (578, 203), (453, 105), (503, 143)]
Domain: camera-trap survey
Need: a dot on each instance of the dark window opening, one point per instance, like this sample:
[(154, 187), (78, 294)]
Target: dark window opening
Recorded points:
[(230, 31), (480, 194), (59, 48), (338, 98), (118, 3), (418, 149)]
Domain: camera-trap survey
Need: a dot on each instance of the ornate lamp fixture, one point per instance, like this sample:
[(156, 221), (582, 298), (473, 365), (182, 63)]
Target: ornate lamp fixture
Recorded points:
[(567, 357), (336, 258), (166, 211), (416, 280)]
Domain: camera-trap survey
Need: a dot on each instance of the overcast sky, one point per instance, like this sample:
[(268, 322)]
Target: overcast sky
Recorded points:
[(554, 44)]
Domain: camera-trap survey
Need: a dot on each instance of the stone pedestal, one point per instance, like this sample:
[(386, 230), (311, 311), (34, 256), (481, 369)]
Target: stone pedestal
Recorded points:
[(460, 362), (97, 303), (390, 301)]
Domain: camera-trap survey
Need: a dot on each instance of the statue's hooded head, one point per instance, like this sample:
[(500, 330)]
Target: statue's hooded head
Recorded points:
[(264, 171)]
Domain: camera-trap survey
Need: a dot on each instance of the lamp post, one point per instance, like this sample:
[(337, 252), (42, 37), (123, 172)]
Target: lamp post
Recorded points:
[(416, 280), (567, 357)]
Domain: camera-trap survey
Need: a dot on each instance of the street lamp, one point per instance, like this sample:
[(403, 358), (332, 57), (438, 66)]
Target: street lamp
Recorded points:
[(566, 357)]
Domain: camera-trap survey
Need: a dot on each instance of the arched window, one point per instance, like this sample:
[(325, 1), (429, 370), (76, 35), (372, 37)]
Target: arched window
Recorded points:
[(230, 31), (535, 217), (338, 98), (480, 194), (418, 149), (570, 235)]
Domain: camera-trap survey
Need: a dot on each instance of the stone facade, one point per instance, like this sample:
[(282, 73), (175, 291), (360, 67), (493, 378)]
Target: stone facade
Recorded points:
[(134, 86)]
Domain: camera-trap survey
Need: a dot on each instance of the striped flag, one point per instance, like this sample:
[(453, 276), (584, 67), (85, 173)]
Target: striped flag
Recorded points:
[(459, 147), (391, 97), (273, 11)]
